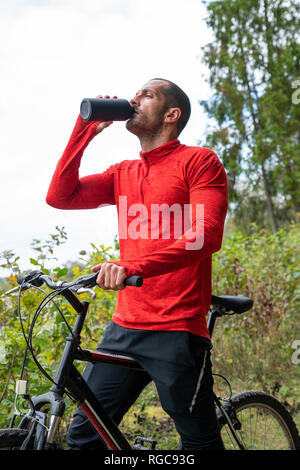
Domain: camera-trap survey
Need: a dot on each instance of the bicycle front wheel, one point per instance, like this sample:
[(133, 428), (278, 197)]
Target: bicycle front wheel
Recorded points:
[(12, 439), (18, 439), (263, 423)]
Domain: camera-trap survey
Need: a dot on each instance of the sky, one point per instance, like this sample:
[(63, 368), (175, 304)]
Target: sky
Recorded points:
[(54, 53)]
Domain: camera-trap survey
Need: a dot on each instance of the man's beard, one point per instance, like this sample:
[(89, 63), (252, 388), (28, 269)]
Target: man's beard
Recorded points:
[(139, 126)]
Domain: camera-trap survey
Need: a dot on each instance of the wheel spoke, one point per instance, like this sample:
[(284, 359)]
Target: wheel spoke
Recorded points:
[(265, 424)]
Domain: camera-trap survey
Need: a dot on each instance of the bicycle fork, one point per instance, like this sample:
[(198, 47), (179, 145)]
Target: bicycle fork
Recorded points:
[(37, 420)]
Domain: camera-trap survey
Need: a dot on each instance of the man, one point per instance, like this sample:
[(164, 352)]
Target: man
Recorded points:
[(171, 204)]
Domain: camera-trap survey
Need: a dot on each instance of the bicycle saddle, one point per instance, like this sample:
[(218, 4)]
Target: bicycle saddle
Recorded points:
[(238, 304)]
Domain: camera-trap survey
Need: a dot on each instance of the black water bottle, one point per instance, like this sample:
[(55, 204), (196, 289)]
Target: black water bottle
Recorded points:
[(105, 109)]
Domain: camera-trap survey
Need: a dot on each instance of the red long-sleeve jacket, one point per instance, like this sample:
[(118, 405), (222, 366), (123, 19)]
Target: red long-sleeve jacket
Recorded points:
[(154, 196)]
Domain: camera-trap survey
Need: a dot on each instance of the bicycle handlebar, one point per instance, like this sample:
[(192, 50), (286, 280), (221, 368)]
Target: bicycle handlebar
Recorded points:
[(37, 278)]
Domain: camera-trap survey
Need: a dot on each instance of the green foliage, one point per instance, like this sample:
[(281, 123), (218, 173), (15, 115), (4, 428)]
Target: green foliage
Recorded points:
[(253, 350), (45, 250), (50, 330)]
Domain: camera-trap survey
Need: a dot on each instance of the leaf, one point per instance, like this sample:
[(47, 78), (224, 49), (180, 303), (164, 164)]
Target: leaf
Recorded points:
[(60, 272)]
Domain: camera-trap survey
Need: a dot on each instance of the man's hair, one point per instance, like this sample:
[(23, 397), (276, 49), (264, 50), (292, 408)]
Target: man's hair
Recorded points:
[(176, 98)]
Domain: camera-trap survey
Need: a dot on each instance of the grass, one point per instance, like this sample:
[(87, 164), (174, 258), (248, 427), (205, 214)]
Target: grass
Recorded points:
[(147, 419)]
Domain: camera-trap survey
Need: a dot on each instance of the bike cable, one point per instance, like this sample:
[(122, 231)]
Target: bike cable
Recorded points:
[(28, 339)]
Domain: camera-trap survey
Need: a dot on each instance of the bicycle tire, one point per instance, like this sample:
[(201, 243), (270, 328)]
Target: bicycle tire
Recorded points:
[(265, 424), (12, 439)]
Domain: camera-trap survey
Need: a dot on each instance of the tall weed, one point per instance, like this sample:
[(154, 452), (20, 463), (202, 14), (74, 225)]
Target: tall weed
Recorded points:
[(255, 349)]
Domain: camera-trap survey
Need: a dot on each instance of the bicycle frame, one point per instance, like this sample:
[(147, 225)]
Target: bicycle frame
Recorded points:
[(69, 378)]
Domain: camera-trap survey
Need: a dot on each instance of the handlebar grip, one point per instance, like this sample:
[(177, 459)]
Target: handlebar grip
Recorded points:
[(33, 278), (136, 281), (89, 280)]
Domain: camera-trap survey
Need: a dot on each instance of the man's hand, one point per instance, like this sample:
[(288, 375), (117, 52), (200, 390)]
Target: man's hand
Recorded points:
[(111, 276), (104, 124)]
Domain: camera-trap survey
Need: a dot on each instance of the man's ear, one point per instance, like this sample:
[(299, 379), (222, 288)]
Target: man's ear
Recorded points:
[(172, 115)]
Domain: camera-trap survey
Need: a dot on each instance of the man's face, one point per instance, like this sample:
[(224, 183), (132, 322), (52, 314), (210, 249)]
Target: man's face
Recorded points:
[(149, 105)]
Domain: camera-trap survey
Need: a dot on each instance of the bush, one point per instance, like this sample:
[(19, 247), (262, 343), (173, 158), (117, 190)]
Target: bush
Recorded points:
[(255, 349), (50, 330)]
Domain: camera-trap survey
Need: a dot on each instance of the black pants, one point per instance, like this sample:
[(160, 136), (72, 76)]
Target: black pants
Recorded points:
[(178, 363)]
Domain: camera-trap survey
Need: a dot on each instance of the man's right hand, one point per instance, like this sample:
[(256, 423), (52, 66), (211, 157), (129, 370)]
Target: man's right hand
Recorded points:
[(111, 276), (104, 124)]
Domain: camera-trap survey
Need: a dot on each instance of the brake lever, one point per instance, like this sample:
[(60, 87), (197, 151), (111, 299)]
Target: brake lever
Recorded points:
[(78, 289), (11, 291), (25, 286), (82, 290)]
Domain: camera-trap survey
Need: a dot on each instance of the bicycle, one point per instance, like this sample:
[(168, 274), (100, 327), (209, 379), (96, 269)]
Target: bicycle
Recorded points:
[(243, 417)]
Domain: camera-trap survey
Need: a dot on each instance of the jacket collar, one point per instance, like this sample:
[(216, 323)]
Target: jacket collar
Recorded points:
[(159, 152)]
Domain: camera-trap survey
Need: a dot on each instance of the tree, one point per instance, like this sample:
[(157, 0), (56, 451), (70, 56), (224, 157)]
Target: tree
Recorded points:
[(253, 64)]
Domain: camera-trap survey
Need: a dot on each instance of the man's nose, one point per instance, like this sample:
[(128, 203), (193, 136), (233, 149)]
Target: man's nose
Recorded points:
[(134, 101)]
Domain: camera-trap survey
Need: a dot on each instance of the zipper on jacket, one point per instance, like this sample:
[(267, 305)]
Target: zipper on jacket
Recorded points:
[(141, 183)]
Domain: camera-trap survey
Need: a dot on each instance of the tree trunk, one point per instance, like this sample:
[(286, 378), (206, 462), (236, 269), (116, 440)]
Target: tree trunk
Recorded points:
[(256, 127), (269, 200)]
